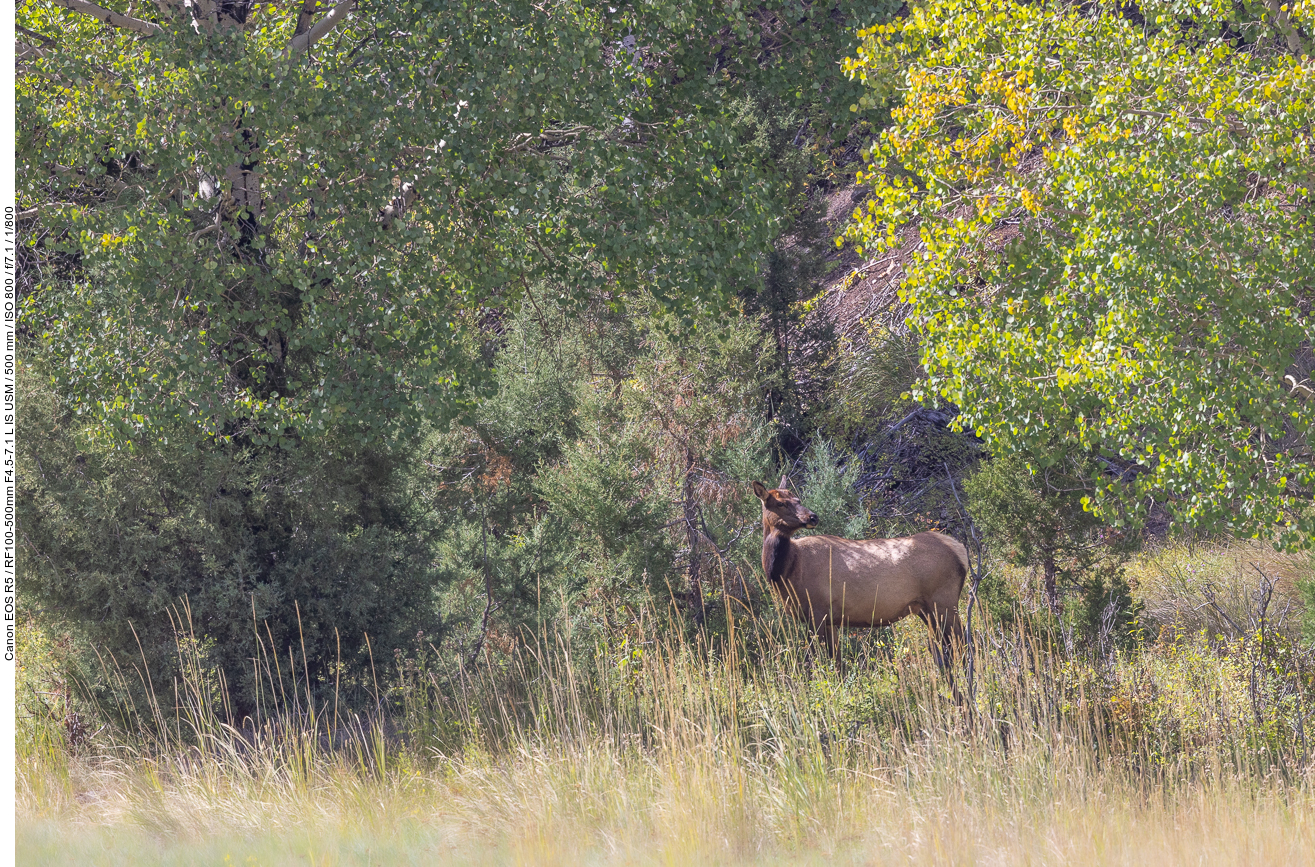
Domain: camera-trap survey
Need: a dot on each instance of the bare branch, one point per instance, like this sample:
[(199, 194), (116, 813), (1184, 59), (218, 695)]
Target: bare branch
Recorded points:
[(78, 176), (306, 16), (44, 40), (489, 604), (335, 16), (399, 204), (1283, 21), (1297, 389), (114, 19)]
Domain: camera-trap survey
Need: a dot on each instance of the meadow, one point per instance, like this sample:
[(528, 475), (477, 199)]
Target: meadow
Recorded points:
[(659, 747), (392, 379)]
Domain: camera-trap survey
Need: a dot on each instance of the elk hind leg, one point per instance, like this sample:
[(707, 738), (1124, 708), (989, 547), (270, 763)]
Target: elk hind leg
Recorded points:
[(952, 635), (945, 637), (945, 634)]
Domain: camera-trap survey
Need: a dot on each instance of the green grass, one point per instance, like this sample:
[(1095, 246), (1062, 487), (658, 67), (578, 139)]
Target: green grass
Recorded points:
[(1190, 749)]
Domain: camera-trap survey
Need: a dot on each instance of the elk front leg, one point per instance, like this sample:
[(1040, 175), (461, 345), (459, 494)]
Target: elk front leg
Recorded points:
[(827, 634)]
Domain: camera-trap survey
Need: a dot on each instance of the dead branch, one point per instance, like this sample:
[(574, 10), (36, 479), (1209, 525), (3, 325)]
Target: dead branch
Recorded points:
[(114, 19), (302, 41)]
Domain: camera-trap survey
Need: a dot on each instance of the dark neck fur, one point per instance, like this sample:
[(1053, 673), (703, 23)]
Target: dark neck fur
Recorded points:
[(776, 550)]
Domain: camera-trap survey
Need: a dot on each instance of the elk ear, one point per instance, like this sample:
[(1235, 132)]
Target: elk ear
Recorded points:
[(760, 490)]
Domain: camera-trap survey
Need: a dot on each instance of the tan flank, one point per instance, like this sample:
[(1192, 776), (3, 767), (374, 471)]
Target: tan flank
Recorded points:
[(829, 582)]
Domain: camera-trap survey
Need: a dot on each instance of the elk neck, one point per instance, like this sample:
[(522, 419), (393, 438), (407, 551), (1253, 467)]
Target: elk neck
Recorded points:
[(776, 547)]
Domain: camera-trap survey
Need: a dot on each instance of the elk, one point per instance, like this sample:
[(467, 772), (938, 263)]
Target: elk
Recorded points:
[(829, 582)]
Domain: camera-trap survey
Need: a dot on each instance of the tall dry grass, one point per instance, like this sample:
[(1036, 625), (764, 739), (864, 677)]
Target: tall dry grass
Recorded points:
[(659, 749), (1215, 587)]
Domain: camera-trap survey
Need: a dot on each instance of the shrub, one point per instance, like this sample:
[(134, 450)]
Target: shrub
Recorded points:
[(828, 488), (1196, 587), (1037, 519), (256, 551)]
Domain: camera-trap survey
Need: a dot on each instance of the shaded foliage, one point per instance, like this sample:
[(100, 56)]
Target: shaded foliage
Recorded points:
[(258, 552)]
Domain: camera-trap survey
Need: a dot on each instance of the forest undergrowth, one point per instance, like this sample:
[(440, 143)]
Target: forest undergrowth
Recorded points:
[(656, 746)]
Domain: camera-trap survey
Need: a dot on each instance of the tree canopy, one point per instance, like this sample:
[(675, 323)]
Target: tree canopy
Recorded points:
[(265, 220), (1115, 253)]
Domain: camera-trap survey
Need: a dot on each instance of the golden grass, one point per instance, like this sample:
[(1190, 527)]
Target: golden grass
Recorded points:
[(1174, 582), (748, 753), (601, 805)]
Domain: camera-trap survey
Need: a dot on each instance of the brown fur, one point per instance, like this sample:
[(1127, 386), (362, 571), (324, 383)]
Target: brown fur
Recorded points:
[(829, 582)]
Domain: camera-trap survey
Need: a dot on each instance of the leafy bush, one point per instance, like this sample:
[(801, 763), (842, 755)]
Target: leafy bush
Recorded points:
[(564, 496), (1107, 612), (828, 488), (998, 600), (256, 551), (879, 370), (1035, 519)]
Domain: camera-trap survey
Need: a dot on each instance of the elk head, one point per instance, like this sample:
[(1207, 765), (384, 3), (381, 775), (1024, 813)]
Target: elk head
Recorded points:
[(782, 510)]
